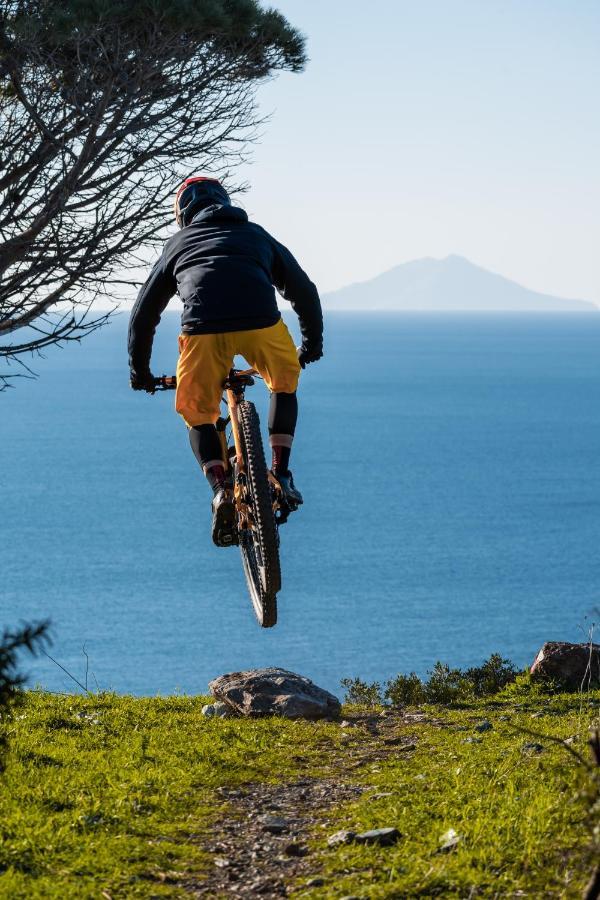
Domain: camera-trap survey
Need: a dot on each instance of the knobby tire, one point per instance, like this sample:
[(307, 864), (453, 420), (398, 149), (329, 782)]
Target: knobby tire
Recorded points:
[(260, 542)]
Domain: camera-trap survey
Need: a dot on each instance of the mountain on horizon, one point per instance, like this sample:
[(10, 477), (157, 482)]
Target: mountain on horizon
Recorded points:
[(452, 284)]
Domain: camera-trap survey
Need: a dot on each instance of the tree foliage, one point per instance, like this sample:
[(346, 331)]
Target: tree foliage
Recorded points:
[(105, 105), (12, 643)]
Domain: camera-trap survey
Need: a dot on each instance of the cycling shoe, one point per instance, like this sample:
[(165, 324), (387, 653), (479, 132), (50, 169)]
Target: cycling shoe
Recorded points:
[(291, 495), (224, 531)]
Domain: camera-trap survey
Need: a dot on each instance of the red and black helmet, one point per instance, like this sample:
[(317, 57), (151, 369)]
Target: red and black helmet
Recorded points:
[(196, 193)]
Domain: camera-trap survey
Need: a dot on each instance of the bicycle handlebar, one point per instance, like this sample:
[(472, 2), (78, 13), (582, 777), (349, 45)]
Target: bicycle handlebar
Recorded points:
[(169, 382), (165, 383)]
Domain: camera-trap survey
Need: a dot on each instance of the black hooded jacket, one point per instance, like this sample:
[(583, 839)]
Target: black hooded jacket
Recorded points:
[(224, 268)]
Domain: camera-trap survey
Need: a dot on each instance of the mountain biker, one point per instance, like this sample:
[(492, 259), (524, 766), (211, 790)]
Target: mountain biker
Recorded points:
[(224, 269)]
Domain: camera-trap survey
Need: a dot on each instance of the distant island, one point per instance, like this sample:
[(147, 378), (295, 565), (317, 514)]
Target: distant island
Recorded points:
[(452, 284)]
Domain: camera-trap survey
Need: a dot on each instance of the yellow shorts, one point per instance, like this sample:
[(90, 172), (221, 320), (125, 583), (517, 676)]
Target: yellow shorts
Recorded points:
[(205, 361)]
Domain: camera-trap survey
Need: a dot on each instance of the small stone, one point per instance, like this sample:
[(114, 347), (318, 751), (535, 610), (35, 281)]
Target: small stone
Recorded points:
[(88, 717), (472, 740), (222, 863), (347, 724), (484, 726), (341, 837), (273, 824), (295, 849), (381, 795), (222, 710), (532, 747), (315, 882), (208, 709), (449, 841), (385, 837)]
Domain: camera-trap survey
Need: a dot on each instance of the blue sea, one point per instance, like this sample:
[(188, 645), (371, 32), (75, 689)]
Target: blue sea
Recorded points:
[(450, 469)]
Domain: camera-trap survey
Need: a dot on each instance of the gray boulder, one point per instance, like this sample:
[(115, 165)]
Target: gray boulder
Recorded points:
[(275, 692), (573, 666)]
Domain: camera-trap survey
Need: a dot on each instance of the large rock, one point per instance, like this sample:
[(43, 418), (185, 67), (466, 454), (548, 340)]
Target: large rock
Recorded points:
[(573, 666), (275, 692)]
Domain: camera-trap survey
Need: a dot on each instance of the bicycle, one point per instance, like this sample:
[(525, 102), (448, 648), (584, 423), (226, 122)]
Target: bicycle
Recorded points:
[(260, 504)]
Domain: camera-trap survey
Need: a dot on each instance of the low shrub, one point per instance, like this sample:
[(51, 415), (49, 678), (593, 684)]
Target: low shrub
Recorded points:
[(361, 693), (444, 685), (405, 690), (524, 686), (492, 676)]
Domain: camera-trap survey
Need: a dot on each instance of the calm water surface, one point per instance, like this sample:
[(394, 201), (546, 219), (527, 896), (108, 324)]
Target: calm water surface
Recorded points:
[(452, 485)]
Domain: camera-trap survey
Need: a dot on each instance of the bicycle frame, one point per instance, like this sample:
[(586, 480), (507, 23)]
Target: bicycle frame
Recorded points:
[(234, 391)]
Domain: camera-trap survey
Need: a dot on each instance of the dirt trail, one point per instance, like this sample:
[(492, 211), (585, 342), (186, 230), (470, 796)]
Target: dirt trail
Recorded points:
[(260, 848), (249, 860)]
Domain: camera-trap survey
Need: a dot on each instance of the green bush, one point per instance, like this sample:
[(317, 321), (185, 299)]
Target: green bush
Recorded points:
[(361, 693), (523, 686), (446, 685), (492, 676), (443, 685), (405, 690)]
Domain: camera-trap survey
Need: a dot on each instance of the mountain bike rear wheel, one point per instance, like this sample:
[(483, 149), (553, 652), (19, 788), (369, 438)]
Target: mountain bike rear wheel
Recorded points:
[(259, 542)]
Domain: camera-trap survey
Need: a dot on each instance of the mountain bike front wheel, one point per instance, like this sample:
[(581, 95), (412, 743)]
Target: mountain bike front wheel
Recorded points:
[(259, 542)]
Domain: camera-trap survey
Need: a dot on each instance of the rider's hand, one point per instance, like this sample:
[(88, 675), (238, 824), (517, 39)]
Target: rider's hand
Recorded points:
[(309, 352), (142, 382)]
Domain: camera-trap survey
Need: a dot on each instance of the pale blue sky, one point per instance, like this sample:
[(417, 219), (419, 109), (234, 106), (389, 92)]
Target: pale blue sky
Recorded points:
[(428, 128)]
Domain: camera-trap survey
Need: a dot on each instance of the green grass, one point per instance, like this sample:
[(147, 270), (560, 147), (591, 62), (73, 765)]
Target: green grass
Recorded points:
[(112, 796), (114, 793), (523, 816)]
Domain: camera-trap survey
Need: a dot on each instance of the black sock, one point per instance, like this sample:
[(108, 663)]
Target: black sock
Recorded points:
[(281, 459), (283, 414), (215, 475)]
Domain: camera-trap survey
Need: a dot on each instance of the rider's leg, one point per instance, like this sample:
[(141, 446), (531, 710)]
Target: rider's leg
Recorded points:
[(272, 352), (204, 363), (283, 413), (207, 449)]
